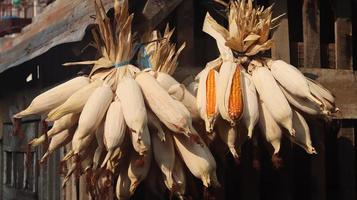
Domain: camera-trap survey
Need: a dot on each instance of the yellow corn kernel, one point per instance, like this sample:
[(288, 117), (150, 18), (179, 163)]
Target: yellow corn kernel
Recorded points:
[(211, 93), (235, 104)]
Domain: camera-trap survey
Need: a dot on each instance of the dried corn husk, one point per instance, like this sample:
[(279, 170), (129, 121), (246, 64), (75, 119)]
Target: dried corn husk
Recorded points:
[(142, 142), (59, 125), (154, 122), (138, 169), (273, 98), (59, 140), (54, 97), (180, 93), (325, 93), (251, 107), (192, 88), (292, 80), (165, 108), (114, 129), (99, 137), (92, 114), (164, 155), (302, 137), (228, 135), (132, 102), (198, 160), (269, 127), (179, 177), (122, 189), (75, 103)]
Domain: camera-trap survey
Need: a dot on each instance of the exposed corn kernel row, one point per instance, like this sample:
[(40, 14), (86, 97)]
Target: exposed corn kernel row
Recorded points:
[(235, 104), (210, 93)]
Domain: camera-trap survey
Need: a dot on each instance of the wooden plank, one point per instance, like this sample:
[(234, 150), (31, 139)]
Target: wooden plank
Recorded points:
[(281, 48), (311, 32), (345, 136)]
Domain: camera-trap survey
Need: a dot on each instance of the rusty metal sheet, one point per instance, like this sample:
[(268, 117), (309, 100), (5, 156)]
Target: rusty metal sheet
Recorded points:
[(61, 22)]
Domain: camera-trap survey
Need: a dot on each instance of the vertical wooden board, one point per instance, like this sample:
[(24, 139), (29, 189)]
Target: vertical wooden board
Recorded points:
[(185, 32), (281, 48), (311, 33), (343, 42), (1, 168)]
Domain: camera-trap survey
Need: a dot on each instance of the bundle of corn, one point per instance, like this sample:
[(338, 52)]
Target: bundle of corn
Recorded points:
[(243, 86), (122, 118)]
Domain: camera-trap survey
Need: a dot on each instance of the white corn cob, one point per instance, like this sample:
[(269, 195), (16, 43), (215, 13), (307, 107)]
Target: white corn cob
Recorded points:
[(318, 92), (304, 105), (59, 140), (75, 103), (133, 106), (122, 189), (154, 122), (292, 80), (164, 79), (198, 160), (192, 88), (141, 144), (302, 138), (228, 135), (179, 178), (99, 137), (164, 154), (180, 93), (202, 99), (114, 129), (226, 74), (251, 107), (54, 97), (273, 97), (269, 127), (325, 93), (93, 113), (138, 169), (59, 125), (161, 103)]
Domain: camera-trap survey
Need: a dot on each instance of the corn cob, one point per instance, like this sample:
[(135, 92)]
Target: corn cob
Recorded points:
[(302, 104), (138, 169), (229, 96), (99, 138), (250, 99), (206, 97), (292, 80), (198, 160), (132, 103), (164, 155), (228, 135), (122, 189), (161, 103), (59, 140), (302, 138), (75, 103), (54, 97), (114, 129), (273, 97), (92, 114), (179, 179), (154, 122), (180, 93), (325, 93), (59, 125), (141, 143), (269, 127)]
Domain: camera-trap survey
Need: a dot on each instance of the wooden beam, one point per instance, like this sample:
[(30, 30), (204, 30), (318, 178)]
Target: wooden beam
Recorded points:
[(311, 29), (345, 136), (281, 48)]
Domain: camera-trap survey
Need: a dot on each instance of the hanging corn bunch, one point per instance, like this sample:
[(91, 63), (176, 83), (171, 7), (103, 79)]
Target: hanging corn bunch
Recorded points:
[(242, 82), (131, 113)]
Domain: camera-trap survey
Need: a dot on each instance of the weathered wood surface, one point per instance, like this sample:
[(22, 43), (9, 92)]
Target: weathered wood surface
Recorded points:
[(281, 48), (61, 22), (343, 84), (311, 31)]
